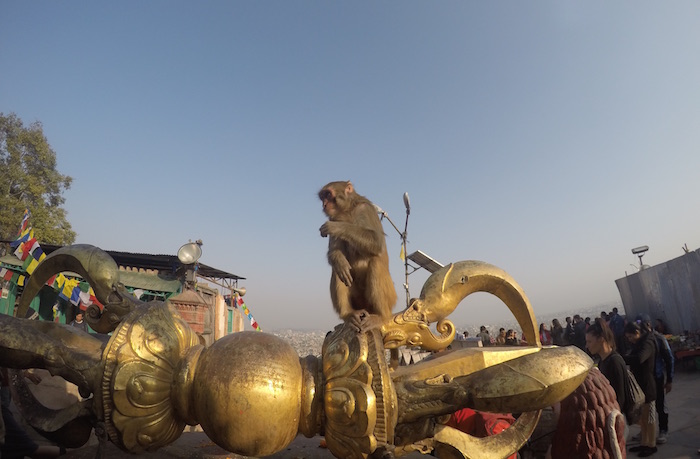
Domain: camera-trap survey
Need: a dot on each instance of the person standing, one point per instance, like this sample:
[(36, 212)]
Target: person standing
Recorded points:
[(557, 333), (600, 342), (569, 332), (642, 361), (660, 327), (545, 335), (484, 336), (663, 375), (579, 332), (617, 325), (79, 322)]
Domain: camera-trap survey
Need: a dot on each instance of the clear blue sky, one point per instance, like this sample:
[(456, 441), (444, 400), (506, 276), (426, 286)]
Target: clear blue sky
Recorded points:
[(547, 138)]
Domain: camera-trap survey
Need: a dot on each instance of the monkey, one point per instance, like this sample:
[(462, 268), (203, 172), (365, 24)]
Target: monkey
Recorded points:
[(360, 279)]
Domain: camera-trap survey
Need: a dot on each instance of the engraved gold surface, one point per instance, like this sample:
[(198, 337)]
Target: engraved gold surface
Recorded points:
[(441, 294), (360, 403), (139, 365), (252, 393)]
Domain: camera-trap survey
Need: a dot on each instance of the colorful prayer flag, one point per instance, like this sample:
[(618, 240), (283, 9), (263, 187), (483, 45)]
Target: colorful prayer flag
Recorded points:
[(24, 236), (25, 219), (75, 295), (32, 266)]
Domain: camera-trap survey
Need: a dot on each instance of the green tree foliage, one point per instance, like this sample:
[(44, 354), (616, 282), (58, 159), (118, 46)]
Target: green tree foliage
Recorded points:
[(29, 180)]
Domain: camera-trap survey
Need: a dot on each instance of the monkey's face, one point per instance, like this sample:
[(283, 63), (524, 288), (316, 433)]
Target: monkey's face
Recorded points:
[(327, 197)]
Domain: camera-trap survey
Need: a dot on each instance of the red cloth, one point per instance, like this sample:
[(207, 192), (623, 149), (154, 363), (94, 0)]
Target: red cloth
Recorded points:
[(546, 337), (481, 424)]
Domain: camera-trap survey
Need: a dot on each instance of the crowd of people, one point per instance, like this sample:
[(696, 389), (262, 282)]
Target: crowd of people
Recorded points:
[(643, 348), (616, 343), (505, 337)]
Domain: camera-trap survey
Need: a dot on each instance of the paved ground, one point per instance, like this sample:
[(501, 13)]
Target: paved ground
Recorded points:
[(683, 439), (684, 419)]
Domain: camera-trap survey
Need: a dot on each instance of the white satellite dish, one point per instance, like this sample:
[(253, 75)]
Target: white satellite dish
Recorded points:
[(189, 253)]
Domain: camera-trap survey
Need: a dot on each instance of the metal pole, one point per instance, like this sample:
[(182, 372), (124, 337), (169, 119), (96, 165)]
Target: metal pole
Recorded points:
[(404, 237)]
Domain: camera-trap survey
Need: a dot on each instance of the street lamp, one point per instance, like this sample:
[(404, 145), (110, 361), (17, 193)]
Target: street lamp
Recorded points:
[(640, 251), (188, 255)]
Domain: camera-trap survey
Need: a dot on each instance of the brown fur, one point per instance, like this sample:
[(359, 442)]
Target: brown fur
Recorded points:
[(356, 252)]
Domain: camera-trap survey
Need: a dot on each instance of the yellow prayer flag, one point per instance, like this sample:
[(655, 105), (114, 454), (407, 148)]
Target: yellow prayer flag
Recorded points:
[(61, 280), (32, 266), (67, 288), (402, 255)]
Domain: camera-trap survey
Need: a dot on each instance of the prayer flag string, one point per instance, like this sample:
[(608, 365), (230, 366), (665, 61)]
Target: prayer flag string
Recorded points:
[(246, 311), (30, 253)]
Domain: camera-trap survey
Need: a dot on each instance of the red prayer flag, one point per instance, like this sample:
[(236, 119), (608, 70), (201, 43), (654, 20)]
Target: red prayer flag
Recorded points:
[(27, 248)]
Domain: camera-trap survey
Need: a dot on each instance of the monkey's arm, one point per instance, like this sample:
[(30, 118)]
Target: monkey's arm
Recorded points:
[(338, 261), (365, 233)]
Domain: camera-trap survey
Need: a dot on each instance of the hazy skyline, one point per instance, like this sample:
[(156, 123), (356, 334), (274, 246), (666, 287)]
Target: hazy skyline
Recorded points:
[(546, 138)]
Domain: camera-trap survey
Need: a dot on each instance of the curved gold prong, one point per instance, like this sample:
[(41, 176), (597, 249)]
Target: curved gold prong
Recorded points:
[(441, 294), (465, 446), (508, 381), (101, 272)]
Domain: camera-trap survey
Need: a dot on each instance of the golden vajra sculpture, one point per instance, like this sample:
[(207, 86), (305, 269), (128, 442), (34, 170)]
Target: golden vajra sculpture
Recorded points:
[(252, 394)]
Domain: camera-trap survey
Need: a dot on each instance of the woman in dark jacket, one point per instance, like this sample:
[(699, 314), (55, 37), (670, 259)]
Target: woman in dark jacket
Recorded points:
[(641, 359), (600, 342), (557, 333)]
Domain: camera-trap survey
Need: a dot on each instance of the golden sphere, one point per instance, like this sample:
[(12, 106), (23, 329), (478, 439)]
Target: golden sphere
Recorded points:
[(247, 393)]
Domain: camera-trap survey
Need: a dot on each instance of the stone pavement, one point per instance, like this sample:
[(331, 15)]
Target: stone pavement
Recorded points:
[(683, 419), (683, 438)]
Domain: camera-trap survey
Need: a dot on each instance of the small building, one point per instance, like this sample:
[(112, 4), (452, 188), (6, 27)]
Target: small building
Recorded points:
[(206, 306)]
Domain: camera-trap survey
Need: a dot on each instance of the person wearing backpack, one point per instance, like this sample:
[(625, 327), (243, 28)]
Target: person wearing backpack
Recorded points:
[(642, 361), (663, 374)]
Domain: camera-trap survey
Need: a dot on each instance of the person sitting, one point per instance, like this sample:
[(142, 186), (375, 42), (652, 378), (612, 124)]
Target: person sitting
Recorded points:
[(511, 338), (501, 338)]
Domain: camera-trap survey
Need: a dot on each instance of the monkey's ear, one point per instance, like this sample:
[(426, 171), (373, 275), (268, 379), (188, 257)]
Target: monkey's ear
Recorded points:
[(349, 188)]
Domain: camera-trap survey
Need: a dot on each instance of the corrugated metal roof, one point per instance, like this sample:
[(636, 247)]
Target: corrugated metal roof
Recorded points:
[(11, 260), (163, 263), (150, 282)]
